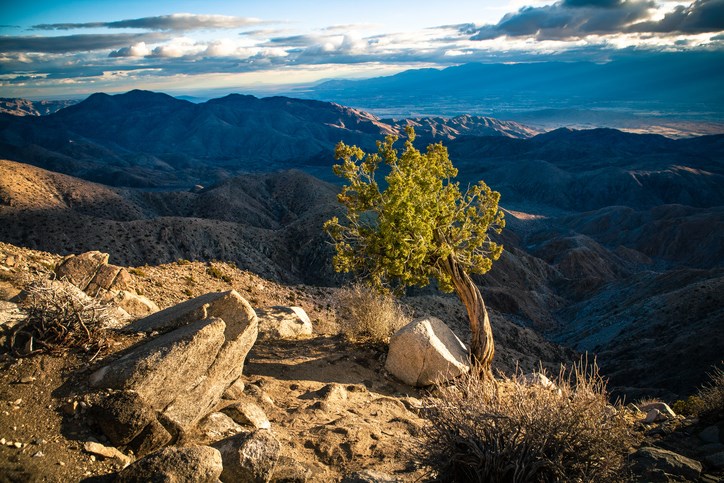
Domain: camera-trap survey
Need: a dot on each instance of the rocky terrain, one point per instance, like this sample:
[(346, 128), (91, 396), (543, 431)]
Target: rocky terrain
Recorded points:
[(26, 107), (331, 404)]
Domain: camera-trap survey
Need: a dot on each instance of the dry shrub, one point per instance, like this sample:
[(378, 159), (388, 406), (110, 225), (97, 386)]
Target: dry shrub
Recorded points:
[(60, 317), (365, 315), (514, 431), (711, 397)]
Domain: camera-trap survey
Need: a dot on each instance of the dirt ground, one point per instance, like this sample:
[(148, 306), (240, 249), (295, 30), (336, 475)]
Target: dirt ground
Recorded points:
[(330, 403)]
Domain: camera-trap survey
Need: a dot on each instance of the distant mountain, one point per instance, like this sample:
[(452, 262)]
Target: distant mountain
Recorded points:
[(26, 107), (149, 139), (674, 83), (586, 170)]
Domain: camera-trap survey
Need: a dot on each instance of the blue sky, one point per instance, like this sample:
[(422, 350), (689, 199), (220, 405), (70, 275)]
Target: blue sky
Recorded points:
[(55, 49)]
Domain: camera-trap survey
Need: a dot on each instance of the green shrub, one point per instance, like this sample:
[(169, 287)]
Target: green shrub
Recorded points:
[(182, 261), (137, 271), (365, 315), (514, 431), (215, 272)]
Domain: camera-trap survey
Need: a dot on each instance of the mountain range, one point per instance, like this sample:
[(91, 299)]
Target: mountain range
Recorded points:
[(668, 93), (148, 139)]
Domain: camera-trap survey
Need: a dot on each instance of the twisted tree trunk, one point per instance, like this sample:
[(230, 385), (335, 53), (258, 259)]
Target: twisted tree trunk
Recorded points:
[(482, 347)]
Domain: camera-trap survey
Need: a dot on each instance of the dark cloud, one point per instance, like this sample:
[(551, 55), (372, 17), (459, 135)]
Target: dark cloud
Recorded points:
[(571, 19), (72, 43), (175, 22), (700, 17), (593, 3)]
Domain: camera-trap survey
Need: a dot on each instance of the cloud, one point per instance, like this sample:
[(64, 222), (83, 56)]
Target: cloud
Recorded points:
[(73, 43), (702, 16), (175, 22), (569, 19), (136, 50), (573, 19)]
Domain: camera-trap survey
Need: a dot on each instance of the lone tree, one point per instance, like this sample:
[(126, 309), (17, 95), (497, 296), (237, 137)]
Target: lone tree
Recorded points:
[(420, 226)]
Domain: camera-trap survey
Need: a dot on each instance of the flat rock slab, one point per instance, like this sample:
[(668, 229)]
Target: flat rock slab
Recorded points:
[(229, 306), (425, 352), (650, 459)]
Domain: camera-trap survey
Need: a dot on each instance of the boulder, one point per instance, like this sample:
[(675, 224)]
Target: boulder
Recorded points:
[(182, 374), (191, 464), (248, 413), (662, 407), (135, 305), (229, 306), (249, 457), (127, 420), (217, 426), (651, 460), (425, 352), (80, 270), (284, 323)]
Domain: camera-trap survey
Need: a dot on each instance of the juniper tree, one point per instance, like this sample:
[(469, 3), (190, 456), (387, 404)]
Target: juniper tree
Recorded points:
[(416, 226)]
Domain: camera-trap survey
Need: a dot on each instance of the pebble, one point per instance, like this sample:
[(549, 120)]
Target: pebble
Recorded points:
[(18, 444), (27, 380), (39, 454)]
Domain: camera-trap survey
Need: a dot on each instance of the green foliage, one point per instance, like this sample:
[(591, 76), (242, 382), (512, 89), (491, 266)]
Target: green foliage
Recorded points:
[(400, 235), (137, 272), (690, 406)]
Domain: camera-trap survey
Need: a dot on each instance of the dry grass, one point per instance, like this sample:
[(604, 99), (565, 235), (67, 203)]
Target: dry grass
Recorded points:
[(365, 315), (711, 397), (60, 317), (514, 431)]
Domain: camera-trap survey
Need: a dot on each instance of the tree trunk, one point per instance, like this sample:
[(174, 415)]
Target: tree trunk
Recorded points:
[(482, 347)]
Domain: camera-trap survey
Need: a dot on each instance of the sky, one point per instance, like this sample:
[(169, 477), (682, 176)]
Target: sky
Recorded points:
[(54, 49)]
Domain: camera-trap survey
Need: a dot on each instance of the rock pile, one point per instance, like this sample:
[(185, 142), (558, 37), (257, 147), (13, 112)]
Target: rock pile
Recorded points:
[(92, 273)]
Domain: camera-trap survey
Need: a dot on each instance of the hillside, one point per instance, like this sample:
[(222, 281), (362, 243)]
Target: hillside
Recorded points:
[(589, 280), (147, 139), (26, 107)]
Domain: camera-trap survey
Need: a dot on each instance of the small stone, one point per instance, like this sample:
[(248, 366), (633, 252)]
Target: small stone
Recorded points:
[(17, 402), (249, 414), (2, 441), (97, 449), (663, 409), (38, 454), (653, 416), (27, 380), (69, 408)]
